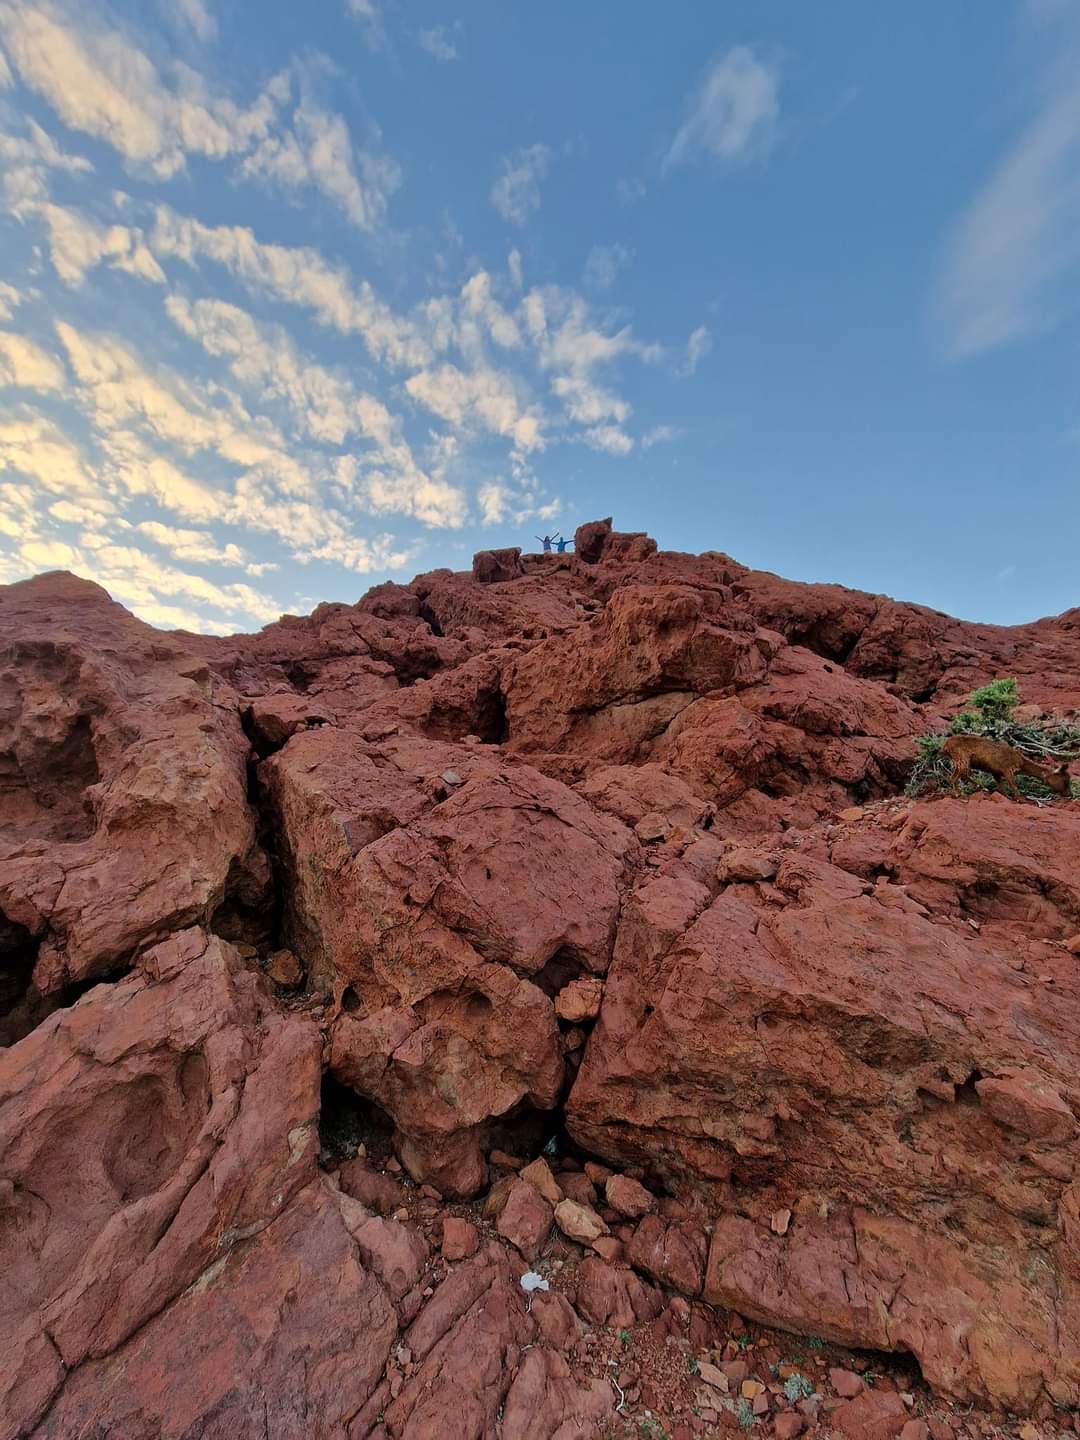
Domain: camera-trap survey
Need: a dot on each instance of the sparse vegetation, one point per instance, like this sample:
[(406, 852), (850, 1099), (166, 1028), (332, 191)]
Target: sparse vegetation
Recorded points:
[(991, 712), (745, 1415), (798, 1387), (693, 1365), (625, 1339)]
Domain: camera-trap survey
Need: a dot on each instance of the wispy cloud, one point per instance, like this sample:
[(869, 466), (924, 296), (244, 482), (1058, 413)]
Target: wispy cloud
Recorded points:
[(658, 435), (610, 439), (196, 14), (731, 118), (102, 85), (318, 151), (297, 275), (516, 191), (697, 347), (10, 299), (26, 365), (603, 265), (1001, 272), (438, 42), (369, 13), (78, 243)]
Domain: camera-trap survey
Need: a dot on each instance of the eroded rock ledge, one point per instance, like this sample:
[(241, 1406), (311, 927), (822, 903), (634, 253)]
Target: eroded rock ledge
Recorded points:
[(599, 857)]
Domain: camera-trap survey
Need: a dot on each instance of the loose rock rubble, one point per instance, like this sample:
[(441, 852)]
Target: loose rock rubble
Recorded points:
[(564, 919)]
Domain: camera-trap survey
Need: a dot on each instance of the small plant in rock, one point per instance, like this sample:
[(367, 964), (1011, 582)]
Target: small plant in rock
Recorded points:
[(815, 1342), (745, 1415), (625, 1339), (742, 1342), (798, 1387), (693, 1365), (991, 712)]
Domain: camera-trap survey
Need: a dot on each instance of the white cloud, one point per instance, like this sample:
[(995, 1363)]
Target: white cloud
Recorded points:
[(77, 243), (437, 43), (26, 365), (18, 514), (732, 116), (610, 439), (326, 406), (369, 13), (1021, 234), (516, 191), (658, 435), (121, 395), (35, 448), (100, 84), (588, 402), (570, 340), (604, 264), (10, 298), (6, 77), (483, 397), (319, 152), (24, 164), (493, 499), (139, 580), (197, 546), (513, 266), (135, 466), (72, 514), (697, 347), (48, 554), (198, 17), (298, 276), (478, 304)]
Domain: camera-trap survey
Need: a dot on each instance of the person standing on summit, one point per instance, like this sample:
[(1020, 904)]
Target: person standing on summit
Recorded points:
[(547, 541)]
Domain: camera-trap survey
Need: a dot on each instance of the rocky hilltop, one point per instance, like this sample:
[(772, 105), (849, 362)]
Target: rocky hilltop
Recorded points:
[(566, 917)]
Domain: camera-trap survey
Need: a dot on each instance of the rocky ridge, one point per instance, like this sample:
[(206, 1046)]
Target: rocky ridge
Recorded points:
[(565, 917)]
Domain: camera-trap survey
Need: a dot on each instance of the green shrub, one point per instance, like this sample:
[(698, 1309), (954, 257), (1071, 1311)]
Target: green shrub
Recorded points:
[(991, 712)]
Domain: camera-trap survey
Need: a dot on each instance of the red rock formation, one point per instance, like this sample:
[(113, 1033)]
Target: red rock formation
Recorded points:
[(123, 814), (613, 841)]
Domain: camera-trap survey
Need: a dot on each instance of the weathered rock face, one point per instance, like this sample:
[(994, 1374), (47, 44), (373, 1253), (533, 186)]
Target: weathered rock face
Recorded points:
[(145, 1131), (123, 813), (608, 845), (878, 1036), (444, 915)]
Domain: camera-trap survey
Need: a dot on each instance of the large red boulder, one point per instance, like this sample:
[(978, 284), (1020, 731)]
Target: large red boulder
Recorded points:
[(895, 1070), (444, 900), (123, 806), (144, 1132)]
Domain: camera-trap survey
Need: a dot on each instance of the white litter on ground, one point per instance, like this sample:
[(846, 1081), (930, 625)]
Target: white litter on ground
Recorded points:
[(531, 1281)]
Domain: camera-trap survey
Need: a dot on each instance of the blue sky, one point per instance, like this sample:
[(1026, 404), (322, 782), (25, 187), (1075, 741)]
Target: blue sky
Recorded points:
[(295, 298)]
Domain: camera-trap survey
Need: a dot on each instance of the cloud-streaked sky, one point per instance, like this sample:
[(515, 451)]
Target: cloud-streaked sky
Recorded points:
[(294, 299)]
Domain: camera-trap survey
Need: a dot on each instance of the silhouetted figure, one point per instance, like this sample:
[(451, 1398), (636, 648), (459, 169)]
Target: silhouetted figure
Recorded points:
[(563, 542)]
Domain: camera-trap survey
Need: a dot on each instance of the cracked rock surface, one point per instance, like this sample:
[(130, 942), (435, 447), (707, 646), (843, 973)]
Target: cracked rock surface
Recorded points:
[(314, 942)]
